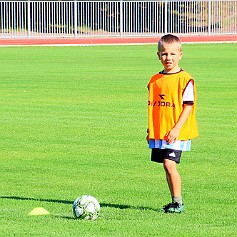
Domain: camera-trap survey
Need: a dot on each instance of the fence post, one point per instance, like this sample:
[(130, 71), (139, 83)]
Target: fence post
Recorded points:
[(209, 17), (75, 18), (166, 17), (28, 19), (121, 18)]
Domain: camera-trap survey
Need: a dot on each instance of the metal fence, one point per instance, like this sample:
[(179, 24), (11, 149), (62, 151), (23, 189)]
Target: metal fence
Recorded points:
[(41, 19)]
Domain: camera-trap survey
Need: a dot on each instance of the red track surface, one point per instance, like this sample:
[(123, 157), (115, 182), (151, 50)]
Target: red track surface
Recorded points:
[(115, 40)]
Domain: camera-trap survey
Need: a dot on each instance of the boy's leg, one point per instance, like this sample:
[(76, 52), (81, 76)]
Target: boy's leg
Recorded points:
[(173, 178), (169, 185), (174, 183)]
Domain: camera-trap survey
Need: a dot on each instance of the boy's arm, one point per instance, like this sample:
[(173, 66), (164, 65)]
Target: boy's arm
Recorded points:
[(173, 134)]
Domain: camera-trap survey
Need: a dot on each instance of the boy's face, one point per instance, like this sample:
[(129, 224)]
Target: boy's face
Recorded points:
[(170, 54)]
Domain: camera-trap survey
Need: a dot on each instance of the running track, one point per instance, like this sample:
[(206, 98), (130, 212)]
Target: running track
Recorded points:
[(114, 40)]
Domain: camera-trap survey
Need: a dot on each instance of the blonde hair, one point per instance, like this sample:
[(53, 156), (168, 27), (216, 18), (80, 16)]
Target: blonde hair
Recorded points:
[(169, 39)]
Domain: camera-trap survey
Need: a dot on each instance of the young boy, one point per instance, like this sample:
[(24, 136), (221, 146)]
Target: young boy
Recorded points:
[(171, 116)]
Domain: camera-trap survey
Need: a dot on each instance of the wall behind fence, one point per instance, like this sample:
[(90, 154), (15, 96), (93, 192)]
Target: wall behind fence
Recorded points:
[(42, 19)]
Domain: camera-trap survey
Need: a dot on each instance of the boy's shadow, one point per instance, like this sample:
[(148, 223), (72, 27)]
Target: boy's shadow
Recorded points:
[(112, 205)]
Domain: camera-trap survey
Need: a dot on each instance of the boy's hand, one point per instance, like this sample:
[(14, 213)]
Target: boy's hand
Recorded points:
[(172, 135)]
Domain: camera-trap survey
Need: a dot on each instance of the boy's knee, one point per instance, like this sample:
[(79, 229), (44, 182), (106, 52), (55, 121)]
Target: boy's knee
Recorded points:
[(169, 166)]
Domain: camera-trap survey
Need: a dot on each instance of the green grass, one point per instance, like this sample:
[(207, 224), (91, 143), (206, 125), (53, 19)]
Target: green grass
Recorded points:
[(73, 121)]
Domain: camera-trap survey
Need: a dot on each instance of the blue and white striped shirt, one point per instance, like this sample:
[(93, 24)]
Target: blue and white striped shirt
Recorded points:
[(179, 145)]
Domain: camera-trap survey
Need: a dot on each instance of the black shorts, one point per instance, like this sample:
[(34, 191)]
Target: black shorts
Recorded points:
[(158, 155)]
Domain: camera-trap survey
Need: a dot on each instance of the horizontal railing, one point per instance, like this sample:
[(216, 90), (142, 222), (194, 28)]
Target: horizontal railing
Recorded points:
[(39, 19)]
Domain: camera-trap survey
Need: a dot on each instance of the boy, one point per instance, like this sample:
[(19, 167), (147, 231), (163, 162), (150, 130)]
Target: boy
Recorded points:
[(171, 116)]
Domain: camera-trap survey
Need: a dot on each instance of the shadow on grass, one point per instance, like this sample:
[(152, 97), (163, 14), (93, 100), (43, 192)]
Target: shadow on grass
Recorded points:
[(119, 206)]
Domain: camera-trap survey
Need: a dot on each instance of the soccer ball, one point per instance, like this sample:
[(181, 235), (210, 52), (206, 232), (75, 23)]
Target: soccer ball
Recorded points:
[(86, 207)]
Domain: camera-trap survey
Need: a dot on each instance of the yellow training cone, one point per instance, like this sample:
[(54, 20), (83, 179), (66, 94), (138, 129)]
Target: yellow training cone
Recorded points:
[(38, 211)]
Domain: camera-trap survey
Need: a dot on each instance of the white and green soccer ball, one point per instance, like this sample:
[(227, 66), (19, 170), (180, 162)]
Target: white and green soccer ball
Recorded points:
[(86, 207)]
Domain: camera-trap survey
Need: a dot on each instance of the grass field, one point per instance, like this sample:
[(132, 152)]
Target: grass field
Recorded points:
[(73, 122)]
